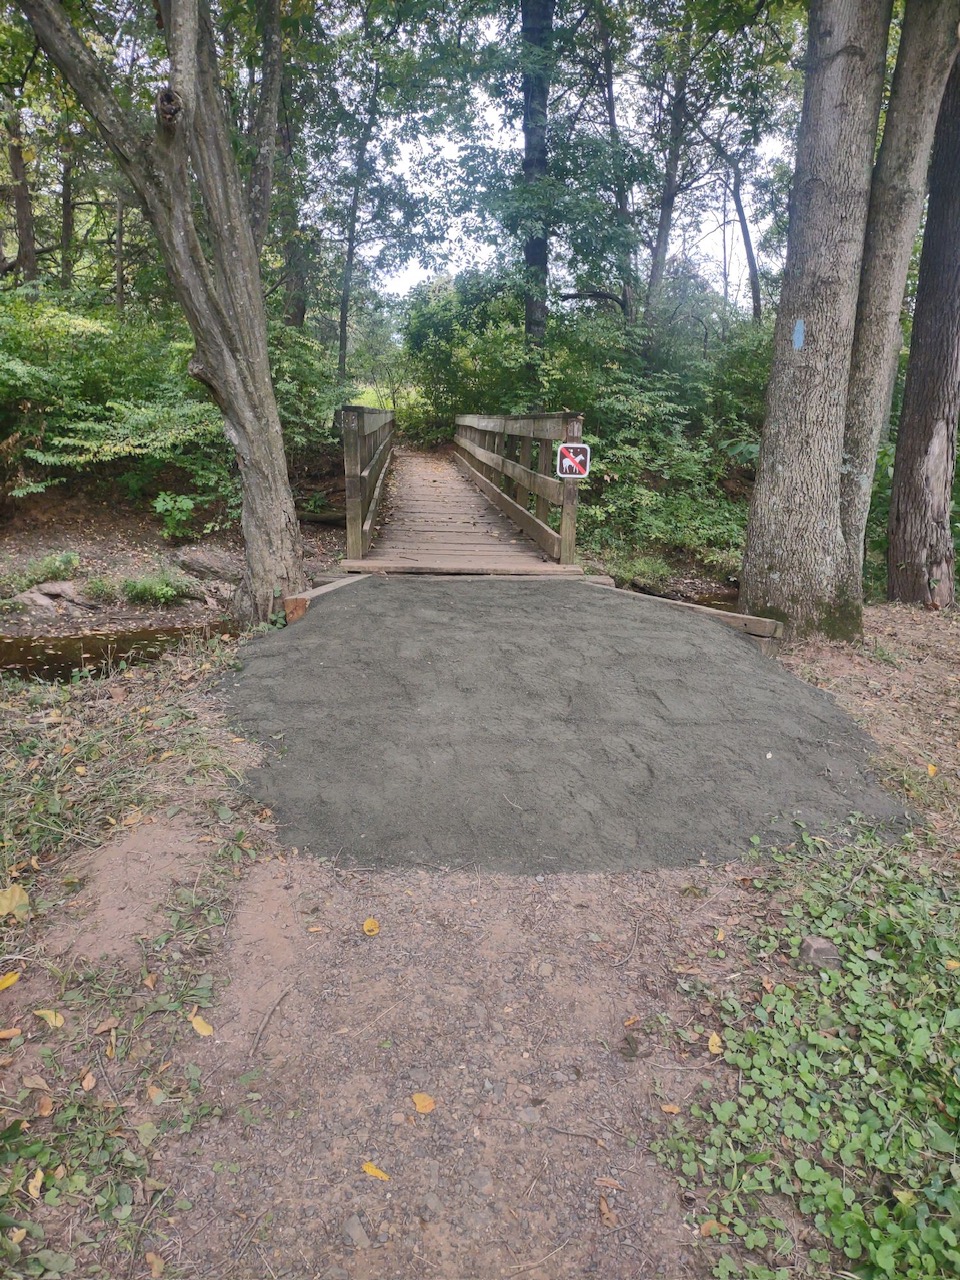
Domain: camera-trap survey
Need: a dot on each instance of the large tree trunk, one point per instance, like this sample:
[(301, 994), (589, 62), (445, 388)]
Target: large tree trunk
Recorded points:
[(359, 179), (920, 559), (22, 202), (795, 567), (537, 33), (928, 48), (223, 297), (119, 263), (628, 284), (670, 189)]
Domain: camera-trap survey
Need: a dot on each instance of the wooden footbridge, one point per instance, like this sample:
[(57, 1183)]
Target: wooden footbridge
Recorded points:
[(492, 506)]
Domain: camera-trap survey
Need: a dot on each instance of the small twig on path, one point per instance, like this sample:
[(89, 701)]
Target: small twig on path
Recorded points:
[(510, 802), (106, 1079), (134, 1252), (377, 1019), (263, 1257), (570, 1133), (540, 1173), (265, 1019), (244, 1242), (532, 1266), (618, 964)]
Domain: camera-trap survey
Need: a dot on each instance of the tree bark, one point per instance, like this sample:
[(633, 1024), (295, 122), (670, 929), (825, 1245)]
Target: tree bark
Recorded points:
[(920, 559), (928, 49), (795, 566), (671, 174), (620, 192), (537, 35), (119, 272), (359, 178), (222, 298), (747, 239), (22, 202), (67, 218)]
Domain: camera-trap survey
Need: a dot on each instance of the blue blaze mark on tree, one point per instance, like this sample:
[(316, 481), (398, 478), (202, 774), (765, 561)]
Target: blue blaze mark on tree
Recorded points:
[(799, 330)]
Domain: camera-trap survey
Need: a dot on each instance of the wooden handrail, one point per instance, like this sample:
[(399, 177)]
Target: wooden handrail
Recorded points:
[(496, 452), (367, 451)]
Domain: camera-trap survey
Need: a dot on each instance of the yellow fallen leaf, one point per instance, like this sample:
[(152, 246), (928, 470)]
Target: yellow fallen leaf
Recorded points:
[(9, 979), (669, 1108), (715, 1044), (18, 1236), (44, 1106), (720, 935), (9, 1033), (155, 1094), (906, 1198), (50, 1017), (631, 1022), (932, 770), (315, 928), (611, 1183), (111, 1049), (423, 1103), (156, 1265), (607, 1216), (951, 964), (88, 1082), (201, 1026), (371, 927), (80, 771), (14, 901), (370, 1168), (35, 1183), (713, 1228)]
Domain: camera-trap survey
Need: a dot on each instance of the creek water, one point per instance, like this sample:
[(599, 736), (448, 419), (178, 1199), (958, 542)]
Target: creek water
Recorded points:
[(57, 657)]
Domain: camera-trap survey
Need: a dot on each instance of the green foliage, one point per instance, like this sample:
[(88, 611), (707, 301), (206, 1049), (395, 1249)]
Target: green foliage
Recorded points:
[(162, 587), (848, 1101), (176, 513), (55, 567), (101, 589)]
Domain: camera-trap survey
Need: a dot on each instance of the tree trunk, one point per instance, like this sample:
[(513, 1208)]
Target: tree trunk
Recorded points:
[(928, 48), (745, 236), (920, 559), (620, 193), (120, 284), (359, 178), (67, 212), (22, 202), (795, 566), (537, 33), (671, 174), (190, 152)]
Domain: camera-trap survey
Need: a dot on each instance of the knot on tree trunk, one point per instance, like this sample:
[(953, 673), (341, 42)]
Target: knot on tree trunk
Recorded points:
[(169, 107)]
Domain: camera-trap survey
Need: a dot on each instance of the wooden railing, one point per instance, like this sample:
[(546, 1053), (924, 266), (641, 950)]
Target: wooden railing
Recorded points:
[(511, 461), (367, 449)]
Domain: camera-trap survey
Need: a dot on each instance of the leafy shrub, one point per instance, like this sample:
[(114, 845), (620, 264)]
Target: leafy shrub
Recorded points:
[(176, 512), (54, 567), (158, 588), (101, 589)]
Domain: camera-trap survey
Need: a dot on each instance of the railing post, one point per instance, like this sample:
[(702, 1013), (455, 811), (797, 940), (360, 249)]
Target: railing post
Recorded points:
[(350, 426), (571, 496)]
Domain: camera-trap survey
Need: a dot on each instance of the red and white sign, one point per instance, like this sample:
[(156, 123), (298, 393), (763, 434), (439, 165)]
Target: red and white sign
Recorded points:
[(573, 461)]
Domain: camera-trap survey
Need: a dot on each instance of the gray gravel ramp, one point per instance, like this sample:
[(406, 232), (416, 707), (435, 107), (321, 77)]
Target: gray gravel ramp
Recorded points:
[(537, 726)]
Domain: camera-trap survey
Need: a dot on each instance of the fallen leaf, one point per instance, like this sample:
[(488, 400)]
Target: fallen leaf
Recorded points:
[(371, 927), (370, 1168), (150, 981), (147, 1132), (767, 985), (14, 901), (423, 1103), (35, 1183), (201, 1026), (713, 1228), (9, 1033), (315, 928), (951, 964), (715, 1044), (631, 1022), (44, 1106), (155, 1094), (88, 1082), (156, 1264), (9, 979), (610, 1183), (607, 1215), (50, 1017), (35, 1082), (18, 1236), (111, 1049), (932, 770), (80, 771), (720, 935), (107, 1025), (669, 1108)]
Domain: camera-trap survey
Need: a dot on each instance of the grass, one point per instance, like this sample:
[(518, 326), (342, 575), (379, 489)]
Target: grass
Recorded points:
[(847, 1097), (648, 571), (103, 590), (160, 588), (50, 568)]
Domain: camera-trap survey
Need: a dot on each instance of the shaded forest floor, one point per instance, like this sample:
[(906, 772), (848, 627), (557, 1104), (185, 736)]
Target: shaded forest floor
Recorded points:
[(246, 1063)]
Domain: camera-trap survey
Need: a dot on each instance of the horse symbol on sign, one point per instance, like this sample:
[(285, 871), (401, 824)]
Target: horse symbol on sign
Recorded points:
[(573, 461)]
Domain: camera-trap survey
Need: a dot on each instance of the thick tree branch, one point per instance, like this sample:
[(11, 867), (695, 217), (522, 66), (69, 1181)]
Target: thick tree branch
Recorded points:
[(264, 132)]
